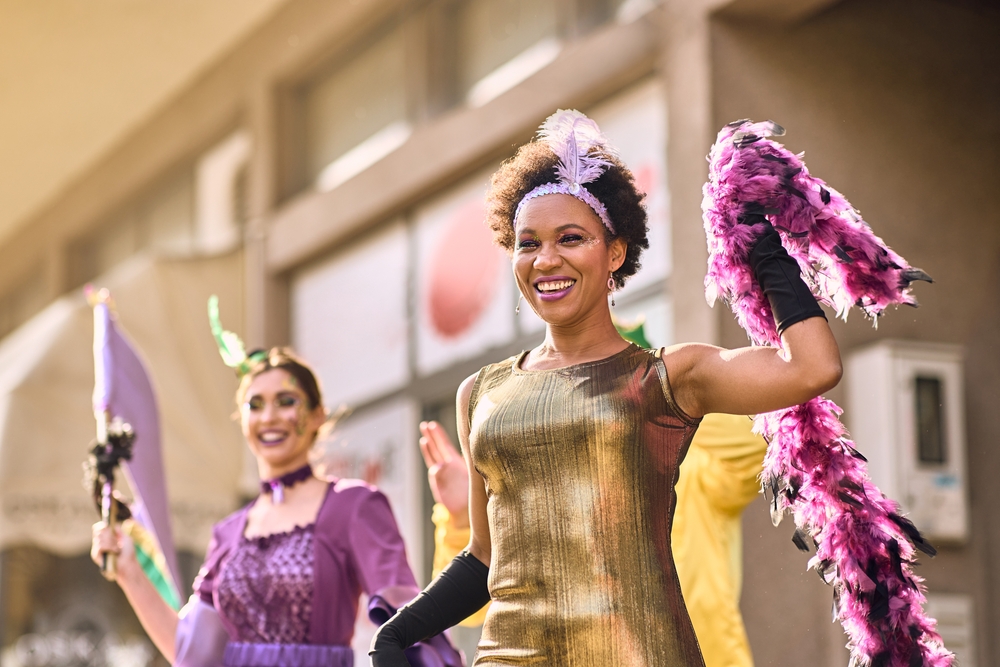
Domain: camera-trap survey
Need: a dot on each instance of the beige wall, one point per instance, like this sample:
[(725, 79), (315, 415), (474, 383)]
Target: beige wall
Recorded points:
[(895, 104), (76, 78)]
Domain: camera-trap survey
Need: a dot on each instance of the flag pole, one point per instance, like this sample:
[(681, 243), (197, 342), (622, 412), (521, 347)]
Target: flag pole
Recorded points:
[(109, 561), (100, 299)]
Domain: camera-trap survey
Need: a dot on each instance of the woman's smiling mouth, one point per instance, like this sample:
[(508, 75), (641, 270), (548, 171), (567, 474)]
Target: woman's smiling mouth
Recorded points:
[(552, 288), (270, 438)]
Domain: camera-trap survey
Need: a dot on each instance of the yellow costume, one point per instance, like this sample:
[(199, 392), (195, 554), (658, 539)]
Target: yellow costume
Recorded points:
[(718, 478)]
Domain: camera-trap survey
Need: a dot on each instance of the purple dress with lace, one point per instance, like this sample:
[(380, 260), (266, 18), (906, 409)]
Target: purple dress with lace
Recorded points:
[(291, 599), (266, 588)]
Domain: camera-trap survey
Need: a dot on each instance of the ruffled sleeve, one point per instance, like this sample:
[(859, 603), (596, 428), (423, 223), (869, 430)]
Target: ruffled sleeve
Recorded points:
[(380, 557), (201, 636), (378, 551)]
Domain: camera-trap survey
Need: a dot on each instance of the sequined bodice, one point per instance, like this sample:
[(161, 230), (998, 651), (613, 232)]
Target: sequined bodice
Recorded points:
[(266, 586), (580, 465)]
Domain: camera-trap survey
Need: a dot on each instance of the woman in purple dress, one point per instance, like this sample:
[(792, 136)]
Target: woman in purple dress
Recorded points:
[(282, 578)]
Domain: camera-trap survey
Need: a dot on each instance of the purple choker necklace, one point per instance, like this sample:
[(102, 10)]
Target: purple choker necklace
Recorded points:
[(276, 487)]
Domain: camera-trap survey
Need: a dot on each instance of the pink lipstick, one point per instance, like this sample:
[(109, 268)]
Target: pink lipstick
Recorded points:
[(553, 288)]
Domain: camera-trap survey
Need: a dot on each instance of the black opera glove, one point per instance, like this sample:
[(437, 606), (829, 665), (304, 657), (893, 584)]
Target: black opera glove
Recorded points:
[(457, 593), (779, 276)]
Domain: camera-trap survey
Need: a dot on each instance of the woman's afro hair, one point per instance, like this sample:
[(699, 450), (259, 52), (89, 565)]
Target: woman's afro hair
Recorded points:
[(534, 165)]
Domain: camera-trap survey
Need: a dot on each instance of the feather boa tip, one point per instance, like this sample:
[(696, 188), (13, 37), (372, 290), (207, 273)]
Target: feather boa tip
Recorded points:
[(842, 260)]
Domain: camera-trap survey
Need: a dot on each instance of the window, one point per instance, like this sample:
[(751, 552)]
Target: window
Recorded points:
[(331, 320), (930, 420), (501, 43), (357, 113)]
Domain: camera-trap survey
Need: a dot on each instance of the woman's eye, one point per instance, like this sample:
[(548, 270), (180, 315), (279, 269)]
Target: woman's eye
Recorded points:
[(525, 244), (287, 402), (571, 238), (255, 404)]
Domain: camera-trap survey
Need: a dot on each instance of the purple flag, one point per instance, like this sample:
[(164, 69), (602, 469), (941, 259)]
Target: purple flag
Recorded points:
[(122, 390)]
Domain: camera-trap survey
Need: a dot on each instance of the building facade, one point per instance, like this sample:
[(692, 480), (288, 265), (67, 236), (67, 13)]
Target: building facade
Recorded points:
[(345, 147)]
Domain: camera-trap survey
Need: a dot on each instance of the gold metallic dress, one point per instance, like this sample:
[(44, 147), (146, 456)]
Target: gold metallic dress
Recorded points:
[(580, 465)]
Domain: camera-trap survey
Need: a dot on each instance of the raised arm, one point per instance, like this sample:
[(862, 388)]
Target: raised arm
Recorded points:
[(761, 379), (157, 617), (750, 380)]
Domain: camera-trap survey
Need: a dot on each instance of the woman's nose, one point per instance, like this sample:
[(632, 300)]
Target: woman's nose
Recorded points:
[(269, 411), (547, 257)]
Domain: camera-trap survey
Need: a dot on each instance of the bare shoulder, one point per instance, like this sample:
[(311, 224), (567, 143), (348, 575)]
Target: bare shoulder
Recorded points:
[(462, 400), (681, 358), (684, 363), (465, 390)]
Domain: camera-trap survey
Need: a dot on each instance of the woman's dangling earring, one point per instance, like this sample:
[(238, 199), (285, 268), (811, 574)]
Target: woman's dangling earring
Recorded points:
[(611, 288), (517, 310)]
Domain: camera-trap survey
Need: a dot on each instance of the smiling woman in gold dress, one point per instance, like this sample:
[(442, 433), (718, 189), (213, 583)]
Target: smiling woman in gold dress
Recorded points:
[(573, 447)]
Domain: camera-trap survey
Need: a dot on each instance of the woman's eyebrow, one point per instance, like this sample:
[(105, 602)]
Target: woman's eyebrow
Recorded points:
[(280, 392), (560, 228)]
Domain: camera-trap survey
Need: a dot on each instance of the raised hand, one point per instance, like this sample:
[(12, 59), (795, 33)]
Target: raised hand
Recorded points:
[(111, 540), (446, 471)]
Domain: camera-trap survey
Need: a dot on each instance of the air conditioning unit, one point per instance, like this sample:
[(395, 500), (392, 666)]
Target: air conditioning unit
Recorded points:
[(906, 414), (956, 624)]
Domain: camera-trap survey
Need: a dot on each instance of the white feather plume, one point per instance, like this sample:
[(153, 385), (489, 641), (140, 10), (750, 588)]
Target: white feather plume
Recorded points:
[(572, 137)]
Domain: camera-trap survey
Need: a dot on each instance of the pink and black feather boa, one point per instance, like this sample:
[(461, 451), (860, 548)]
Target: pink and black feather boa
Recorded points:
[(864, 547)]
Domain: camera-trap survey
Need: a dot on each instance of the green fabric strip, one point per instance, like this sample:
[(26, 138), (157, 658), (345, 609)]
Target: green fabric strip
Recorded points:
[(160, 582)]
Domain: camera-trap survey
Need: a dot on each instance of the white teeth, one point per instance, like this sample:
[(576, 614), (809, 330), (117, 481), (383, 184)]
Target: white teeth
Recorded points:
[(271, 437), (554, 285)]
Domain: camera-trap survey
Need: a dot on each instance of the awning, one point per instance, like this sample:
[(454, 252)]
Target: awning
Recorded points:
[(46, 421)]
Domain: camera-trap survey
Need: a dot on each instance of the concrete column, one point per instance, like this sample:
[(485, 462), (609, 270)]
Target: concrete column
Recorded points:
[(686, 67), (265, 294)]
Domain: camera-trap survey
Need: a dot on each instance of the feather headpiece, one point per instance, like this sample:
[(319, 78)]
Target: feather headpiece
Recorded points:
[(581, 149), (231, 348)]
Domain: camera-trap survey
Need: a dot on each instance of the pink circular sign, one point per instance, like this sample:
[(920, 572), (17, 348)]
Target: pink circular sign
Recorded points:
[(463, 271)]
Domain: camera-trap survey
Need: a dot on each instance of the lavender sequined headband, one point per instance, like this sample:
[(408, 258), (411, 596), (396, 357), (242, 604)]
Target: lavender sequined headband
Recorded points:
[(572, 137)]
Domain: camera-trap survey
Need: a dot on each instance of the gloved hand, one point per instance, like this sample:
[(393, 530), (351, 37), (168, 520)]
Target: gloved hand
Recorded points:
[(779, 276), (457, 593)]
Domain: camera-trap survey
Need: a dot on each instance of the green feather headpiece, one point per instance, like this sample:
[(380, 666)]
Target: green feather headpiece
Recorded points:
[(231, 348)]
